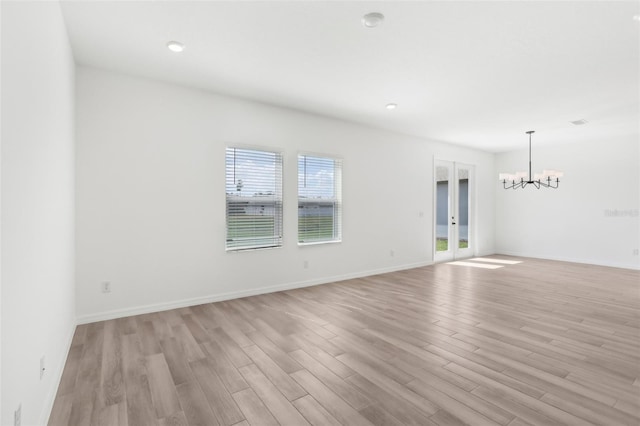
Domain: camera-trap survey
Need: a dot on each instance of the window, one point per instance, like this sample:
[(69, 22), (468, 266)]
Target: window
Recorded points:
[(319, 199), (254, 199)]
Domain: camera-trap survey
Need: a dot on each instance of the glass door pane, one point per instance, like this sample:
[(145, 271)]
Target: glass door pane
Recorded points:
[(463, 208), (442, 208)]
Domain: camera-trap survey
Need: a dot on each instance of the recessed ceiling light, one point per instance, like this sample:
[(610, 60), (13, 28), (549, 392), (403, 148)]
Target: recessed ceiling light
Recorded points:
[(175, 46), (636, 18), (372, 20), (579, 122), (391, 106)]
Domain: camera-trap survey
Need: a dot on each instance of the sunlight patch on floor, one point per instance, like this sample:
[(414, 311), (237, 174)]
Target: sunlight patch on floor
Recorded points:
[(488, 259), (475, 265)]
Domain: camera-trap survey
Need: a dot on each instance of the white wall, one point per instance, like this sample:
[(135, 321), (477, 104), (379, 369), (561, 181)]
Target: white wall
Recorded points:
[(38, 311), (576, 222), (150, 196)]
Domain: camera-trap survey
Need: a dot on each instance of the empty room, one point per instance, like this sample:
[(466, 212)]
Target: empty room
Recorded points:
[(254, 213)]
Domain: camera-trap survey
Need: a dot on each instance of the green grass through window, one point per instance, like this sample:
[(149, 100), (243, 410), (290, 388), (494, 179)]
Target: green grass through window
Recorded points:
[(442, 244), (315, 228), (310, 228), (247, 226)]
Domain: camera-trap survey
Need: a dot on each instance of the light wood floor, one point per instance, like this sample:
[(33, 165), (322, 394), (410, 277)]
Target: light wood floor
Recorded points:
[(536, 343)]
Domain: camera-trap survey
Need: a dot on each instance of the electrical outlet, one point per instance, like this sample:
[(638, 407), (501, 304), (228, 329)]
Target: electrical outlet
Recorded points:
[(106, 286), (634, 252), (392, 252), (42, 367), (17, 416), (305, 264)]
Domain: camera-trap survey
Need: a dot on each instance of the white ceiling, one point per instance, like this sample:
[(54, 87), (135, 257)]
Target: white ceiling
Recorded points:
[(476, 73)]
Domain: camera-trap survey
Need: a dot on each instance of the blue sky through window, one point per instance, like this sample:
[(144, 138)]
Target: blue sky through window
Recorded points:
[(251, 172), (316, 177)]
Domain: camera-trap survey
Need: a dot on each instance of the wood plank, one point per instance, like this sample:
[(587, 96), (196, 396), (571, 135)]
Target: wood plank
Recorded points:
[(461, 394), (398, 407), (112, 415), (163, 390), (253, 409), (188, 343), (177, 361), (387, 383), (282, 380), (445, 418), (452, 406), (280, 357), (220, 400), (346, 391), (233, 350), (378, 416), (196, 330), (331, 402), (314, 412), (150, 343), (220, 362), (88, 378), (111, 374), (521, 411), (162, 329), (195, 406), (61, 410), (68, 380), (280, 407), (325, 358), (140, 410), (177, 419), (589, 410)]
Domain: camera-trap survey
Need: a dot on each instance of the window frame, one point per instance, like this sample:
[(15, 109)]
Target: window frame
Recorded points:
[(338, 170), (278, 201)]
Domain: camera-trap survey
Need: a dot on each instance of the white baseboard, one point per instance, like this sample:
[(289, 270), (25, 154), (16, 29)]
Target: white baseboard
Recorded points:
[(570, 259), (57, 377), (157, 307)]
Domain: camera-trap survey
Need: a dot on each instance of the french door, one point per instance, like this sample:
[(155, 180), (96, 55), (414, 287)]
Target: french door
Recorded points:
[(453, 210)]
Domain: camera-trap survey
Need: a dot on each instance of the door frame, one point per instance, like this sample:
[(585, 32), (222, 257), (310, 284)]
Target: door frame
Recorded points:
[(454, 251)]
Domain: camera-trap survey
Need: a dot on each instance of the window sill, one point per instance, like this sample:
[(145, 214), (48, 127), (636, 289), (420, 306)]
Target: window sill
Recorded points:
[(315, 243), (240, 250)]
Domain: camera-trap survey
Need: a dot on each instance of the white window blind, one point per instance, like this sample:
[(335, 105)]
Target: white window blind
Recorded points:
[(319, 199), (254, 199)]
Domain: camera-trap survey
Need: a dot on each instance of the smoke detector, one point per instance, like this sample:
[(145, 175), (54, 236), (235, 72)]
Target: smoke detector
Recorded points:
[(579, 122), (372, 20)]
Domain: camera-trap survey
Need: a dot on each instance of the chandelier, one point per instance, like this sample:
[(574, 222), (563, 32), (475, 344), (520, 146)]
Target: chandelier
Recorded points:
[(546, 179)]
